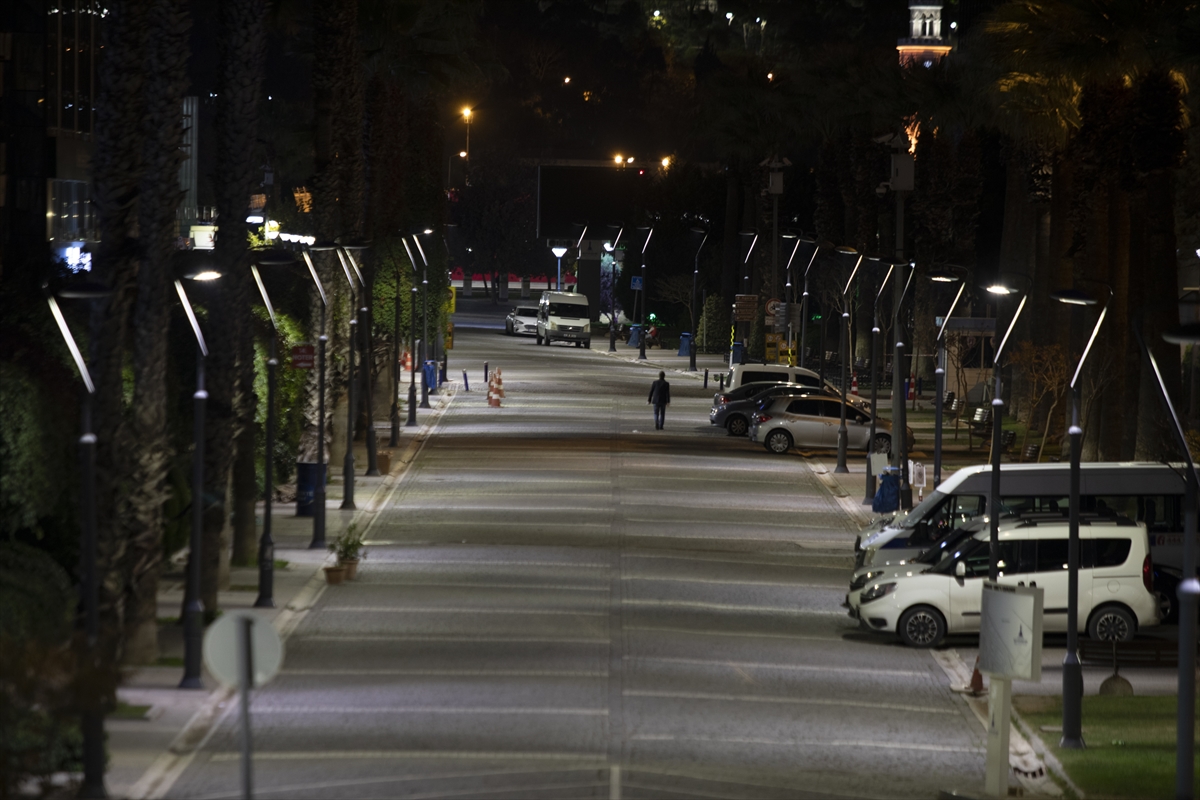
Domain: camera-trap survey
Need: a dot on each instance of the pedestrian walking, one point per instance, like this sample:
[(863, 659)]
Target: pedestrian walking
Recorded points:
[(660, 398)]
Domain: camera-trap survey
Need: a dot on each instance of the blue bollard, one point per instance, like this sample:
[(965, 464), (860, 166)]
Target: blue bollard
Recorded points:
[(706, 378), (466, 384), (486, 375)]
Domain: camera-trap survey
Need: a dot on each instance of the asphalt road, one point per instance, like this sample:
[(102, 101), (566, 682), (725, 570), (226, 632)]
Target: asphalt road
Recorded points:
[(561, 601)]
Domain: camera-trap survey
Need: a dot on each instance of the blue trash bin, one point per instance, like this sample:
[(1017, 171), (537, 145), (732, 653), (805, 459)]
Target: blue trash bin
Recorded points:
[(429, 374), (635, 335), (887, 499), (685, 344), (739, 354), (307, 475)]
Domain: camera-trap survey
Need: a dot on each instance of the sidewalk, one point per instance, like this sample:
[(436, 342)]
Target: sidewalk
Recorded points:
[(147, 751)]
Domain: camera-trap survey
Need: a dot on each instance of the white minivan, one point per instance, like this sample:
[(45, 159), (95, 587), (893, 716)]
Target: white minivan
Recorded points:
[(740, 374), (1115, 598), (564, 317)]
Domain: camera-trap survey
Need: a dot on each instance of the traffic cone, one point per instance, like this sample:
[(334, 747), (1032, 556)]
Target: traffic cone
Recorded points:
[(406, 361), (493, 398), (499, 385), (976, 685), (854, 384), (912, 387)]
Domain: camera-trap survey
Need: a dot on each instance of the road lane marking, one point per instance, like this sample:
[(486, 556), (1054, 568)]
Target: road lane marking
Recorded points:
[(456, 776), (835, 587), (799, 612), (344, 709), (402, 637), (487, 562), (467, 585), (736, 634), (714, 559), (467, 673), (706, 662), (751, 698), (787, 525), (847, 743), (350, 755), (533, 612)]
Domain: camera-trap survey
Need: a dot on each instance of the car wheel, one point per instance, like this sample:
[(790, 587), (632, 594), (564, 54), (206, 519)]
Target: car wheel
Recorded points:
[(778, 441), (588, 344), (922, 626), (579, 344), (1112, 624), (737, 425), (1168, 606), (883, 443)]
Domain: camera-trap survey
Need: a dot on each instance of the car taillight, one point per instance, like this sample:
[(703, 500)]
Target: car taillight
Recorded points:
[(1148, 574), (760, 418), (723, 400)]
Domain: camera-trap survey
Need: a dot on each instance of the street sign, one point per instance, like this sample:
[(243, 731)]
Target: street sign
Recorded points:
[(221, 647), (635, 283), (745, 307), (772, 342), (303, 356)]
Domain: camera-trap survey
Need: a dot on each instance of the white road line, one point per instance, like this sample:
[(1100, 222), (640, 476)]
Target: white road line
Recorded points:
[(847, 743), (756, 524), (454, 673), (836, 587), (488, 562), (799, 612), (735, 561), (297, 787), (736, 634), (523, 524), (591, 759), (401, 637), (341, 709), (532, 612), (708, 662), (751, 698), (524, 586)]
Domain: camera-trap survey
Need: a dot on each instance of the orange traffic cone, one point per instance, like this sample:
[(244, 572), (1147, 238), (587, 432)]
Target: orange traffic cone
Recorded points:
[(854, 385), (406, 361), (499, 385), (912, 387)]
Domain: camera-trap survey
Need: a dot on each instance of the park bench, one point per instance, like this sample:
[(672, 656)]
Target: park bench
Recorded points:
[(1031, 453), (979, 426), (1007, 440), (1144, 652)]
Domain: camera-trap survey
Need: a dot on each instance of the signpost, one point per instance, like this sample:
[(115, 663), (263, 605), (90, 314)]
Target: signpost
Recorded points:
[(243, 649), (1010, 646), (772, 343), (635, 283), (303, 356), (745, 307)]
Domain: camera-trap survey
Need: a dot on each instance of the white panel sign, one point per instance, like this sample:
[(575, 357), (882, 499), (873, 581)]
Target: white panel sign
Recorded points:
[(1010, 632)]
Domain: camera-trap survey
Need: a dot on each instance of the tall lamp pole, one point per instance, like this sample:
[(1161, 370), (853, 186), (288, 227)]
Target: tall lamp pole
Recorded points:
[(1072, 705), (266, 545), (318, 538), (424, 320), (843, 346), (370, 439), (804, 302), (993, 507), (642, 338), (611, 247), (695, 280), (348, 461), (869, 493), (899, 411), (92, 722), (193, 606), (412, 320), (559, 252), (394, 415), (1189, 587), (951, 274)]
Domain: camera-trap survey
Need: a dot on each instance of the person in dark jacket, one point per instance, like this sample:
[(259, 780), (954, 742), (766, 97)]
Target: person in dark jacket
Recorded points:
[(660, 398)]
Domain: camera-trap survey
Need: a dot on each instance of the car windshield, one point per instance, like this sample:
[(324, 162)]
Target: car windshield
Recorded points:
[(526, 312), (572, 310), (972, 549), (922, 509), (946, 546), (761, 393)]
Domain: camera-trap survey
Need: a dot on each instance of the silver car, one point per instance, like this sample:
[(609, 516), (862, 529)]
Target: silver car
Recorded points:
[(811, 421), (521, 321)]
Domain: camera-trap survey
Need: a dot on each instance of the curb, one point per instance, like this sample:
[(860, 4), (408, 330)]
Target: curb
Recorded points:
[(161, 776)]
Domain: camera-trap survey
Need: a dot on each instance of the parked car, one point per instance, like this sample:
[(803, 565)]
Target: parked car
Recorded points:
[(521, 321), (732, 409), (741, 374), (813, 421), (1115, 593)]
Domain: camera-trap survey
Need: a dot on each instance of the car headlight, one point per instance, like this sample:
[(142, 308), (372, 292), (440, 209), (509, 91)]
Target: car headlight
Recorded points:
[(553, 326), (877, 591), (587, 327), (864, 579)]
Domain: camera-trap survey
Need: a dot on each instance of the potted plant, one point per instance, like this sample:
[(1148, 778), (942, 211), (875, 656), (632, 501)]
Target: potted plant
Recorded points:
[(335, 574), (349, 549)]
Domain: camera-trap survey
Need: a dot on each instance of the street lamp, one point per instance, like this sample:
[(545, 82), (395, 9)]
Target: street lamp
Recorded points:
[(1072, 735), (318, 538), (559, 252), (370, 440), (412, 320), (899, 410), (1002, 289), (1189, 587), (843, 346), (92, 721), (611, 247), (467, 112), (804, 298), (869, 484), (193, 606), (348, 461), (695, 280), (642, 338), (266, 545), (424, 317), (950, 274)]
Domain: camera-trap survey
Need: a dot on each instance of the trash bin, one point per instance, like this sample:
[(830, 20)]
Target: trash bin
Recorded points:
[(307, 475), (429, 375), (635, 335), (685, 344), (739, 354), (887, 499)]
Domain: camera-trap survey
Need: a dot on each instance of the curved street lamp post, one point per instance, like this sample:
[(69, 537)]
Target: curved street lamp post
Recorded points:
[(642, 337), (695, 316), (950, 274), (869, 492), (318, 538), (348, 461), (843, 346), (611, 248), (424, 320)]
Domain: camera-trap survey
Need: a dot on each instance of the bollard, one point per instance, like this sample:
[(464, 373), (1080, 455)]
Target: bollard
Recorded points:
[(706, 378), (466, 385), (486, 375), (722, 383)]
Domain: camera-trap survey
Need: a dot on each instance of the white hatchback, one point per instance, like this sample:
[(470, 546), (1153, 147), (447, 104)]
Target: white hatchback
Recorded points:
[(1115, 584)]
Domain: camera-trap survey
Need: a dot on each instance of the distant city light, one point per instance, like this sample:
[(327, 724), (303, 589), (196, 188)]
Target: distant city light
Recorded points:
[(206, 275), (255, 219), (729, 16), (770, 76), (566, 80), (466, 112), (462, 153), (657, 13), (619, 159), (629, 160), (953, 26), (666, 162)]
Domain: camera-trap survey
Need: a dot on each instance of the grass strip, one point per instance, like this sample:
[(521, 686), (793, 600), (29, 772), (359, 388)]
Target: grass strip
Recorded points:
[(1130, 744)]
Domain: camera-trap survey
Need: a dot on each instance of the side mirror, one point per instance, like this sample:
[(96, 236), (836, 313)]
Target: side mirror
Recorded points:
[(960, 570)]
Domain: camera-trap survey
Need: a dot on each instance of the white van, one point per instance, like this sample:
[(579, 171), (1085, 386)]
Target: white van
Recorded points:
[(1144, 492), (740, 374), (1115, 598), (564, 317)]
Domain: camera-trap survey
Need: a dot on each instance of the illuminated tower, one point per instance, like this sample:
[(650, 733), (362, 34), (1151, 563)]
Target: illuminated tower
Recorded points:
[(924, 45)]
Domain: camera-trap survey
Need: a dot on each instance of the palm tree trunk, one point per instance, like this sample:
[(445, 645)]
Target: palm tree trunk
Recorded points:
[(116, 175), (166, 61)]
